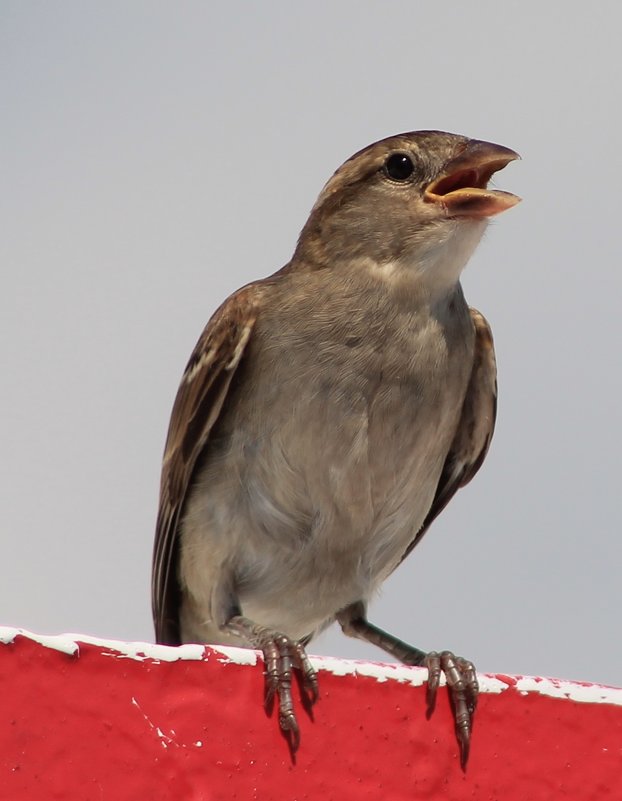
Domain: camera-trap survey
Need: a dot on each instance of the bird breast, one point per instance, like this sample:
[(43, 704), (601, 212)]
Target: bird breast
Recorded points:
[(331, 446)]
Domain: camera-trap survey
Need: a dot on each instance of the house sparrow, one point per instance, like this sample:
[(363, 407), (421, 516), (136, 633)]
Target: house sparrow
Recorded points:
[(328, 414)]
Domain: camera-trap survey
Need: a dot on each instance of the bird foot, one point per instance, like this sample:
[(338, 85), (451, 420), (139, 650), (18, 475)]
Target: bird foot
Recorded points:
[(282, 656), (459, 673), (463, 690)]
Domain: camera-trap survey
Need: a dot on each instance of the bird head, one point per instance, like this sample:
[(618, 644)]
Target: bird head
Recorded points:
[(414, 203)]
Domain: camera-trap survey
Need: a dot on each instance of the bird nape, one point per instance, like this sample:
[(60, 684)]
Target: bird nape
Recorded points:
[(328, 414)]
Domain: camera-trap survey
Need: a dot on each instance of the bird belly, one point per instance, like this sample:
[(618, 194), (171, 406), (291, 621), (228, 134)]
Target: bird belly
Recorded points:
[(306, 521)]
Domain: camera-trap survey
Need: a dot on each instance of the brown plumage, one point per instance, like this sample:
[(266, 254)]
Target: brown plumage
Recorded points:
[(327, 416)]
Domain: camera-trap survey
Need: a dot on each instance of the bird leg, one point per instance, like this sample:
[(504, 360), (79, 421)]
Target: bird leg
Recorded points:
[(281, 655), (459, 673)]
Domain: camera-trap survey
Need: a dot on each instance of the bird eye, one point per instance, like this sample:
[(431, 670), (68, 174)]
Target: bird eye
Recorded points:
[(399, 167)]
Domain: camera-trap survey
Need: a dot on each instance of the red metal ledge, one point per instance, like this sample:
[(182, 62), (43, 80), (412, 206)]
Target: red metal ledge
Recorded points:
[(91, 719)]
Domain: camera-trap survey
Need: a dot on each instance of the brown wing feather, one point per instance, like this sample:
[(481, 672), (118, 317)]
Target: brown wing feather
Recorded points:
[(199, 400), (475, 429)]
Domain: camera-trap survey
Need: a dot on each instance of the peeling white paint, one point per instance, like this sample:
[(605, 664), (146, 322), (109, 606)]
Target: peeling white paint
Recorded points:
[(381, 672), (62, 642), (238, 656), (70, 644), (581, 692)]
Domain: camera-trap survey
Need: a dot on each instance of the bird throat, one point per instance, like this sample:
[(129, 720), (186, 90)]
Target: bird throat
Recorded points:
[(437, 258)]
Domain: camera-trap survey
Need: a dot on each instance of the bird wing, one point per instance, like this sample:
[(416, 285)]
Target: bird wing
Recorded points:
[(199, 401), (477, 422)]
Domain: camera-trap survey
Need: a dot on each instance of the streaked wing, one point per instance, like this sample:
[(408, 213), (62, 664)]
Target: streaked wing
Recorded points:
[(475, 429), (199, 400)]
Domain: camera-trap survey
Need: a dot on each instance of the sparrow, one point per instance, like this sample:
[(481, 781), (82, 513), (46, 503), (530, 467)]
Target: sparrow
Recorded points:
[(328, 414)]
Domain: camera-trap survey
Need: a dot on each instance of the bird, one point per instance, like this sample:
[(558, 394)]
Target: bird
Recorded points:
[(327, 415)]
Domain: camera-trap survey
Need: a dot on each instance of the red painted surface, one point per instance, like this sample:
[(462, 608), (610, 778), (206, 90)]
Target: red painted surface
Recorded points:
[(102, 726)]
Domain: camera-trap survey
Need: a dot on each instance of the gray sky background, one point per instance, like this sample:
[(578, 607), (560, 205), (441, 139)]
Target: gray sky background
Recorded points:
[(156, 156)]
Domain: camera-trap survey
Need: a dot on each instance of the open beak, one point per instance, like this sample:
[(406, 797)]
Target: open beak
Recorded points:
[(462, 189)]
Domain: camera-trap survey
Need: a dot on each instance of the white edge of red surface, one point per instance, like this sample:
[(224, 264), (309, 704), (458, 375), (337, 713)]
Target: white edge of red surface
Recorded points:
[(555, 688)]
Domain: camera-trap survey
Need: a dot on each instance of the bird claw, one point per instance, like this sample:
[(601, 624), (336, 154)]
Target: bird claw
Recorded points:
[(463, 689), (282, 655), (289, 727)]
